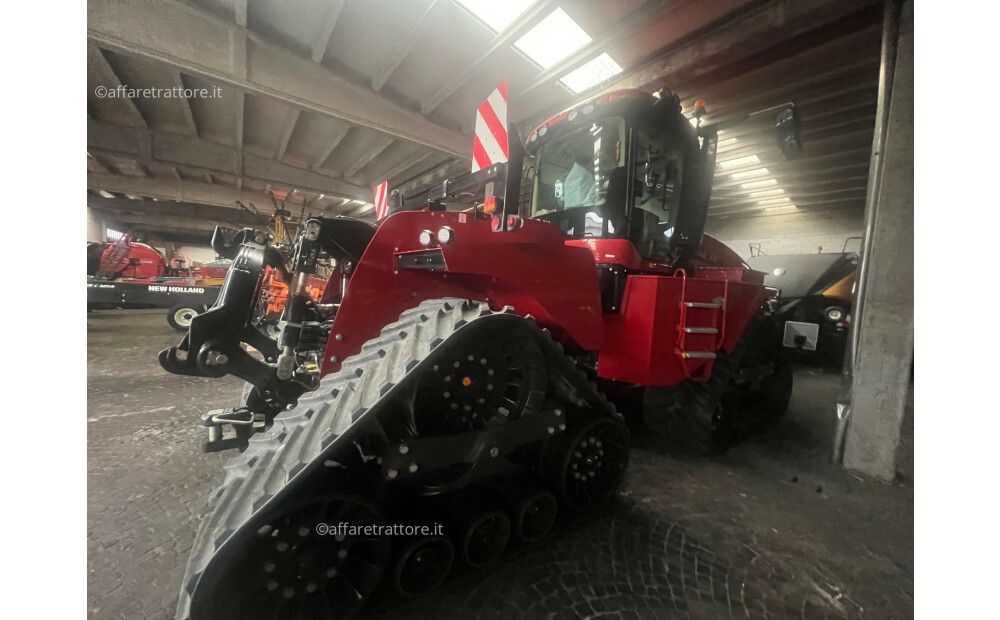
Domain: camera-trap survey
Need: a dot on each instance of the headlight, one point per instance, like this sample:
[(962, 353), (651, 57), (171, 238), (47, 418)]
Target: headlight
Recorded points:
[(572, 115), (426, 238), (833, 313), (542, 131), (445, 235)]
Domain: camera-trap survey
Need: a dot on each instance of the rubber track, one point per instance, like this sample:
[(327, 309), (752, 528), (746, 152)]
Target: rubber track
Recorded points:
[(683, 414), (307, 434)]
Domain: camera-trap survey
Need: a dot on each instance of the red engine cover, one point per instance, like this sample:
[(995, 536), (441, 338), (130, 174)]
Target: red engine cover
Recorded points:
[(538, 272), (532, 270)]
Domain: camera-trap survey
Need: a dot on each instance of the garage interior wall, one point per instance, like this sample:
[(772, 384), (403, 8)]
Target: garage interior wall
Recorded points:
[(197, 253), (794, 233)]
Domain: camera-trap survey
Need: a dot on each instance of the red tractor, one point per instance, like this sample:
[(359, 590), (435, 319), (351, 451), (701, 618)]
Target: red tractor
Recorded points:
[(460, 367)]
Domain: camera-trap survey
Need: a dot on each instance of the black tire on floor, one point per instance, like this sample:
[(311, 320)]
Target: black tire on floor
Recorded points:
[(712, 416), (179, 317), (689, 415)]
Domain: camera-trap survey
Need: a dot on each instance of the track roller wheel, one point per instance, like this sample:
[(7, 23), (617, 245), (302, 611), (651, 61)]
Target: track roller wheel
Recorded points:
[(299, 565), (586, 464), (423, 565), (484, 538), (535, 514)]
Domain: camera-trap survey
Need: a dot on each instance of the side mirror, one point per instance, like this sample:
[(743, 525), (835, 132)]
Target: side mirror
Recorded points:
[(395, 202), (789, 134)]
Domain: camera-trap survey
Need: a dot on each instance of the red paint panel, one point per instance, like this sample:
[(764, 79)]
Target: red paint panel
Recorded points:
[(640, 342), (530, 269)]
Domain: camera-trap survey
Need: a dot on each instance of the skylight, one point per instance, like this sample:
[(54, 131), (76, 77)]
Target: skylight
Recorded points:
[(758, 184), (739, 161), (554, 38), (739, 176), (496, 15), (767, 193), (591, 73), (774, 201)]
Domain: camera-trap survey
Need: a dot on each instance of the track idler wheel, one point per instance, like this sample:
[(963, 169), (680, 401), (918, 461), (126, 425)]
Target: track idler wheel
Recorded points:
[(423, 565), (586, 464), (300, 565), (484, 538)]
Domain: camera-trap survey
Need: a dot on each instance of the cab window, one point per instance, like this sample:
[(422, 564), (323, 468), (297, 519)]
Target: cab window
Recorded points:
[(658, 169)]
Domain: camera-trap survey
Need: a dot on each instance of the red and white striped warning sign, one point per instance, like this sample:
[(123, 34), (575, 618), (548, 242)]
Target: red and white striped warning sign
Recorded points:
[(490, 143), (381, 200)]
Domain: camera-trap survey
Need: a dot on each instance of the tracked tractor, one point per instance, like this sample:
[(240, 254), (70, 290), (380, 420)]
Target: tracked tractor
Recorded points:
[(455, 381)]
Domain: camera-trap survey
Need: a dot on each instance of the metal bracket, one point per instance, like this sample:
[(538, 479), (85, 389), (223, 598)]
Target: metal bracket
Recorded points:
[(422, 454)]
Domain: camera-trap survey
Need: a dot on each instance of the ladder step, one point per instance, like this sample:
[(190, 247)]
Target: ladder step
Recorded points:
[(698, 304), (700, 330), (697, 355)]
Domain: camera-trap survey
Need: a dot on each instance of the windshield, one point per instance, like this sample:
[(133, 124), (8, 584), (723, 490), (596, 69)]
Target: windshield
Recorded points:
[(572, 175)]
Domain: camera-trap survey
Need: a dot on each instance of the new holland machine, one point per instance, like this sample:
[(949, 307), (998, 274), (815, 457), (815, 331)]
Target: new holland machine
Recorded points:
[(461, 365)]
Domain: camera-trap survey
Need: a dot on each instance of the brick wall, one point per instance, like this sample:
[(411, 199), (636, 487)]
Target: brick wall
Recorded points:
[(794, 233)]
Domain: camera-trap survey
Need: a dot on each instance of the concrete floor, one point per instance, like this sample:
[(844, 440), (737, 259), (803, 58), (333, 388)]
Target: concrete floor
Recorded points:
[(769, 529)]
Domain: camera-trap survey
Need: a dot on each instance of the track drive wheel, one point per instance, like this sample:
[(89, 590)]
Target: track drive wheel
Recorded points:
[(586, 464), (306, 563)]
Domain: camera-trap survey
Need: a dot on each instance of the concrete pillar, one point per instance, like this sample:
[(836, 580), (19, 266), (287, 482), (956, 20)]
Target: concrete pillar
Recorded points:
[(95, 228), (884, 353)]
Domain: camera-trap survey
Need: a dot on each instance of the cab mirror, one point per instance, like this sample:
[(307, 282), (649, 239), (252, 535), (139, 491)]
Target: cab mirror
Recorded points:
[(789, 134), (395, 202)]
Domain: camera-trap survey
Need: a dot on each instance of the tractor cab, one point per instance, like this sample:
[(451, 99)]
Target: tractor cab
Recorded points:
[(620, 167)]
